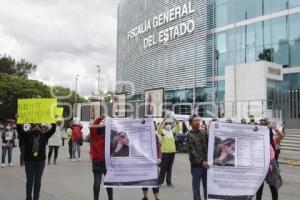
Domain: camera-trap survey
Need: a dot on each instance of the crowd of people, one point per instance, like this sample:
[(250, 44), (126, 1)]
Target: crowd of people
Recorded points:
[(34, 138)]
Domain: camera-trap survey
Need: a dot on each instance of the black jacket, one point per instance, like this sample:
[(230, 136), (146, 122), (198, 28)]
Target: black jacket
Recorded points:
[(28, 139)]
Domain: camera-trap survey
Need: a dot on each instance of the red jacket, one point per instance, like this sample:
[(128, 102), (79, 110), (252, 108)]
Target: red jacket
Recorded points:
[(76, 132), (97, 146)]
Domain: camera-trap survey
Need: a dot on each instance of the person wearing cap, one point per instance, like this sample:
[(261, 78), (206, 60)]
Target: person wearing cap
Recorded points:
[(97, 153), (197, 145), (168, 149), (76, 128), (8, 140), (34, 156), (252, 120)]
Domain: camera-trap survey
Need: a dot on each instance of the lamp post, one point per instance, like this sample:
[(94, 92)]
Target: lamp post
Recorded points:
[(99, 70), (77, 76)]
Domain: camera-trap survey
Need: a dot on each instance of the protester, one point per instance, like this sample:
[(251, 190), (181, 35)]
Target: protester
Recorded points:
[(243, 121), (70, 143), (185, 129), (197, 144), (155, 190), (97, 153), (204, 125), (252, 120), (168, 149), (76, 140), (35, 155), (54, 143), (8, 141), (273, 177)]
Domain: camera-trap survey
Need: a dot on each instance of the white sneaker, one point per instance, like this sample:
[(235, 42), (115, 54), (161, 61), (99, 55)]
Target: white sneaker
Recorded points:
[(2, 165), (73, 160), (11, 165)]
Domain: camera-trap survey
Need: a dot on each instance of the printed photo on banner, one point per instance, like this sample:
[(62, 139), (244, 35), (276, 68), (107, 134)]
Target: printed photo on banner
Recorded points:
[(9, 135), (119, 106), (224, 151), (154, 102), (119, 144)]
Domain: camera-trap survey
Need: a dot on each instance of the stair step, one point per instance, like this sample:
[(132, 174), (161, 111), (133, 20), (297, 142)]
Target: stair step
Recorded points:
[(290, 149), (290, 142)]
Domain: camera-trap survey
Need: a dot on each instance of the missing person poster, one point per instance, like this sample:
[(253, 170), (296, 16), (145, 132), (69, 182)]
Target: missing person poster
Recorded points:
[(130, 153), (239, 158), (119, 106), (154, 100)]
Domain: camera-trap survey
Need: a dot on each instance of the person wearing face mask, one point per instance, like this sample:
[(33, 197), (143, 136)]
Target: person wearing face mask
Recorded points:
[(34, 156), (97, 153), (8, 140), (273, 177), (168, 149), (197, 145), (252, 120)]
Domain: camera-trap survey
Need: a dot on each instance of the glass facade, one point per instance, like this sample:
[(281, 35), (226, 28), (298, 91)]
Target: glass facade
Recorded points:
[(276, 40), (186, 63)]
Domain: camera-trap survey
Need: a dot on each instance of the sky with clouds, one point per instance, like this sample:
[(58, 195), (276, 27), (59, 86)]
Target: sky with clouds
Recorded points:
[(63, 38)]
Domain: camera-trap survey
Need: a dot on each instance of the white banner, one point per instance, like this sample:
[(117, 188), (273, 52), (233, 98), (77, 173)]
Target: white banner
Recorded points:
[(130, 153), (239, 158)]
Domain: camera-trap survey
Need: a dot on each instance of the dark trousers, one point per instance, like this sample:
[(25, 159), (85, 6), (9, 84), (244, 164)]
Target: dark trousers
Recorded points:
[(99, 169), (155, 190), (8, 150), (51, 149), (34, 172), (198, 174), (22, 150), (166, 167), (70, 144), (274, 192)]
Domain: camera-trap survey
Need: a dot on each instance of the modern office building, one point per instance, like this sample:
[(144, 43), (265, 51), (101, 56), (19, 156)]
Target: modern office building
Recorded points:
[(185, 46)]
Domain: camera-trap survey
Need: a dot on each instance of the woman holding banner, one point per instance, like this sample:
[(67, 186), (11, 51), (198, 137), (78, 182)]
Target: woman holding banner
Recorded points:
[(97, 149), (34, 156)]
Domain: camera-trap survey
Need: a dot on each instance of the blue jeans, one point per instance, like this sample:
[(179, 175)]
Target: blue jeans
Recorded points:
[(75, 147), (198, 174), (34, 172), (7, 149)]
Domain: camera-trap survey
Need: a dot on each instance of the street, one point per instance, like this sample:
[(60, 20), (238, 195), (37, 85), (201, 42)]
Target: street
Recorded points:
[(73, 181)]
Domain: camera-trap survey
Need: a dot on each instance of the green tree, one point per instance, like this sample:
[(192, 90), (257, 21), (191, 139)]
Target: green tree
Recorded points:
[(10, 66)]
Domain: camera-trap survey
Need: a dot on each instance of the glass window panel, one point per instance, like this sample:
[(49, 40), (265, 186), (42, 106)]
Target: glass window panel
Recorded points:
[(250, 33), (224, 12), (259, 34), (295, 53), (230, 40), (259, 53), (250, 55), (231, 58), (221, 63), (248, 9), (279, 30), (267, 32), (294, 28), (240, 38), (294, 3), (281, 53), (240, 56), (271, 6), (221, 42)]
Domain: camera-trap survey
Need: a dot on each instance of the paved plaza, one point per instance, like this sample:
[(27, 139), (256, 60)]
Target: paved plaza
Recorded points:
[(73, 181)]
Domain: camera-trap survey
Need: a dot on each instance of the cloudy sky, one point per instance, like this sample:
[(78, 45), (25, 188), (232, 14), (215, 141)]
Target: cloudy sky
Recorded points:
[(63, 38)]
